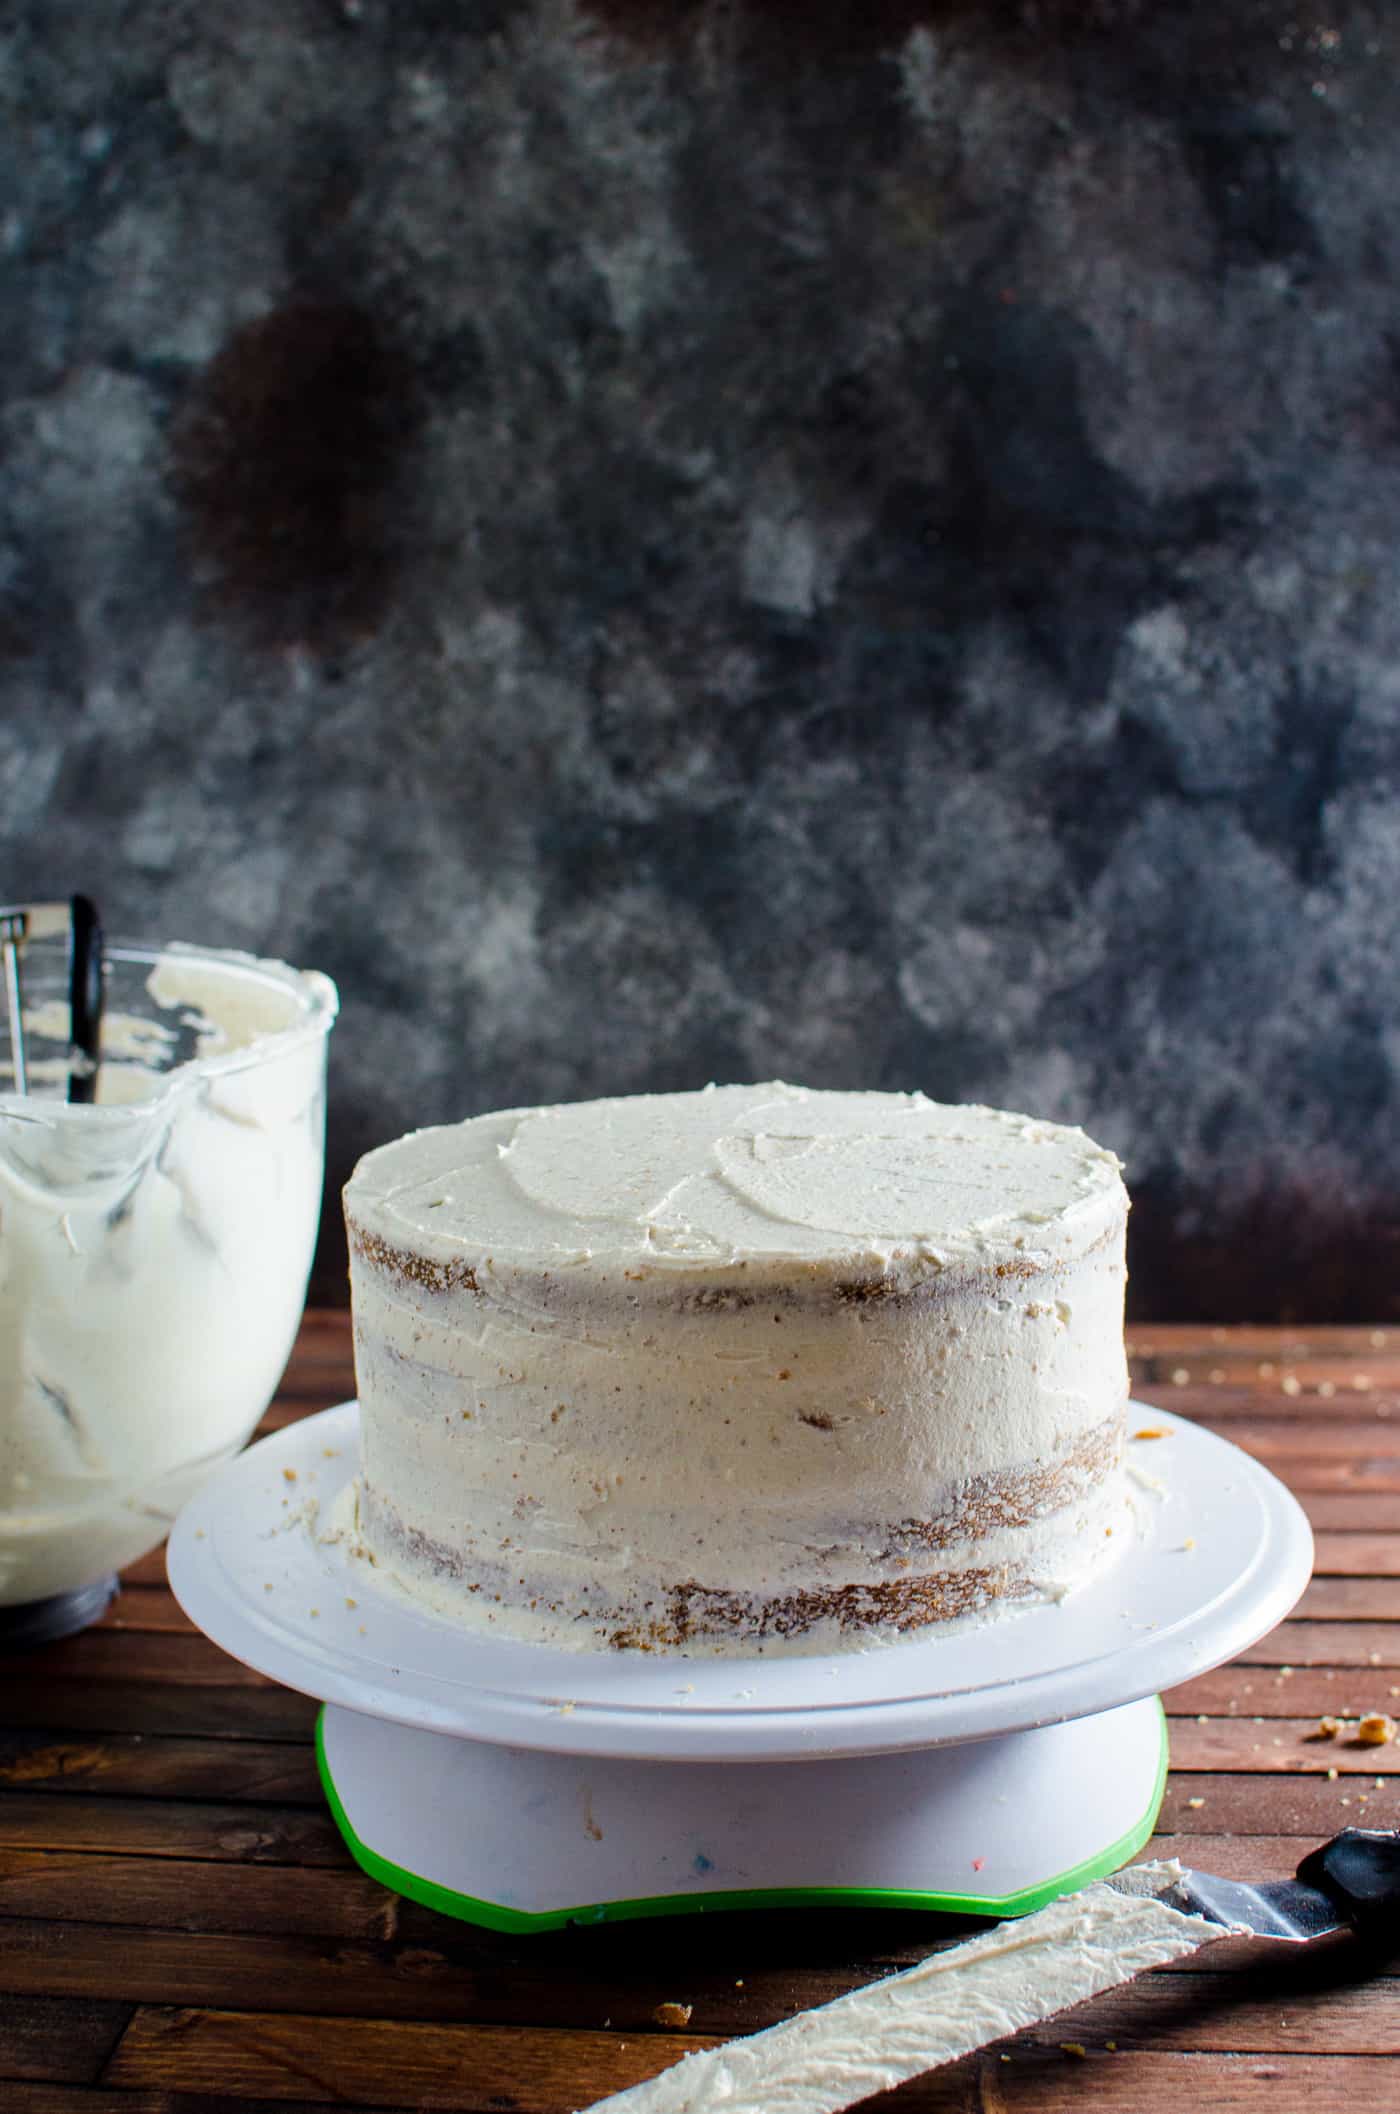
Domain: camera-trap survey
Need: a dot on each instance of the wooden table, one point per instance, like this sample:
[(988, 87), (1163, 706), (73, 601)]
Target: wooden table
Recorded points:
[(181, 1929)]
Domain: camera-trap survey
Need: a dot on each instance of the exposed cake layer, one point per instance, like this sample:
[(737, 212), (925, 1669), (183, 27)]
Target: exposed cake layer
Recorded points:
[(866, 1576), (621, 1363)]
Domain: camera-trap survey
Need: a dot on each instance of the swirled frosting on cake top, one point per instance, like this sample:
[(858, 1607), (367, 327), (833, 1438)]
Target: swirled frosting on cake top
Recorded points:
[(738, 1175)]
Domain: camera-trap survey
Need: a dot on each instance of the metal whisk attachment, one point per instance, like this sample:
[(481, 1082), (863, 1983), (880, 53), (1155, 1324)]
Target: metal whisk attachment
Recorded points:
[(77, 922)]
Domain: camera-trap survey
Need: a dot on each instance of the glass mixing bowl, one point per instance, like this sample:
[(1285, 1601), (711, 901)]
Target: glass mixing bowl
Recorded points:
[(154, 1252)]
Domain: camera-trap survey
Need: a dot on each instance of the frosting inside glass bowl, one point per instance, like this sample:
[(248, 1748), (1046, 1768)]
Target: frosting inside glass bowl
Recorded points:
[(154, 1247)]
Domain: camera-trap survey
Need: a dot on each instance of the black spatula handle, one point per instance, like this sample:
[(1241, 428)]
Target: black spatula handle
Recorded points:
[(1360, 1870)]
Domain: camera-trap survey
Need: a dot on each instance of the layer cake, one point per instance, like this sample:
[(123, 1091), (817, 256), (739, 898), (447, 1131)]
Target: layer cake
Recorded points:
[(749, 1368)]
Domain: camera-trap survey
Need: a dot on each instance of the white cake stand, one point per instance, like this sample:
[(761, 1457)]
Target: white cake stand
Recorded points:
[(981, 1767)]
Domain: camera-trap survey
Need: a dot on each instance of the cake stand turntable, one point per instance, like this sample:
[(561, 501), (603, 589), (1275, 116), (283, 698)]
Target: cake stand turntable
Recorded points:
[(983, 1767)]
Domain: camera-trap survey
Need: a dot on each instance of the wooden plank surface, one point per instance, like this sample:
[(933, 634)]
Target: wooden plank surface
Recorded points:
[(181, 1928)]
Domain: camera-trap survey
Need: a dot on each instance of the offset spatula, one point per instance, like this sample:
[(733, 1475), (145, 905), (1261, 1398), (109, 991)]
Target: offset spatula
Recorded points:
[(1022, 1972), (1351, 1883)]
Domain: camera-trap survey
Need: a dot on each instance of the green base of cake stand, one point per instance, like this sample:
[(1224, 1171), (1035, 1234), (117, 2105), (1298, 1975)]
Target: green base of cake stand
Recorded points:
[(518, 1840)]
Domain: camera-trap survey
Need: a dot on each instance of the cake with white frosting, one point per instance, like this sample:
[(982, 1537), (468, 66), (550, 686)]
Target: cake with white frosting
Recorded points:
[(751, 1366)]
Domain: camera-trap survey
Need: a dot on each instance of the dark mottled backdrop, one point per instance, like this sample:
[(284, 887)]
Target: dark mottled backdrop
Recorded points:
[(667, 542)]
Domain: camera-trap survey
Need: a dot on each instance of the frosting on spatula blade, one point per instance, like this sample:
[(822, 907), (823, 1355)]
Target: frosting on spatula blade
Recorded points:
[(1012, 1976)]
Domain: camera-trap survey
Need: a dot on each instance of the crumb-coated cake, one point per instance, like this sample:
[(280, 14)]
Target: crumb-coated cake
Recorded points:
[(729, 1369)]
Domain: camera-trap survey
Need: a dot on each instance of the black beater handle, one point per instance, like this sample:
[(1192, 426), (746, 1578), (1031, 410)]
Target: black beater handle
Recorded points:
[(85, 994), (1360, 1870)]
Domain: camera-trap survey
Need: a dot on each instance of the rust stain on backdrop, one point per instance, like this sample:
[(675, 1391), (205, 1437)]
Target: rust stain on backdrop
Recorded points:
[(285, 459)]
